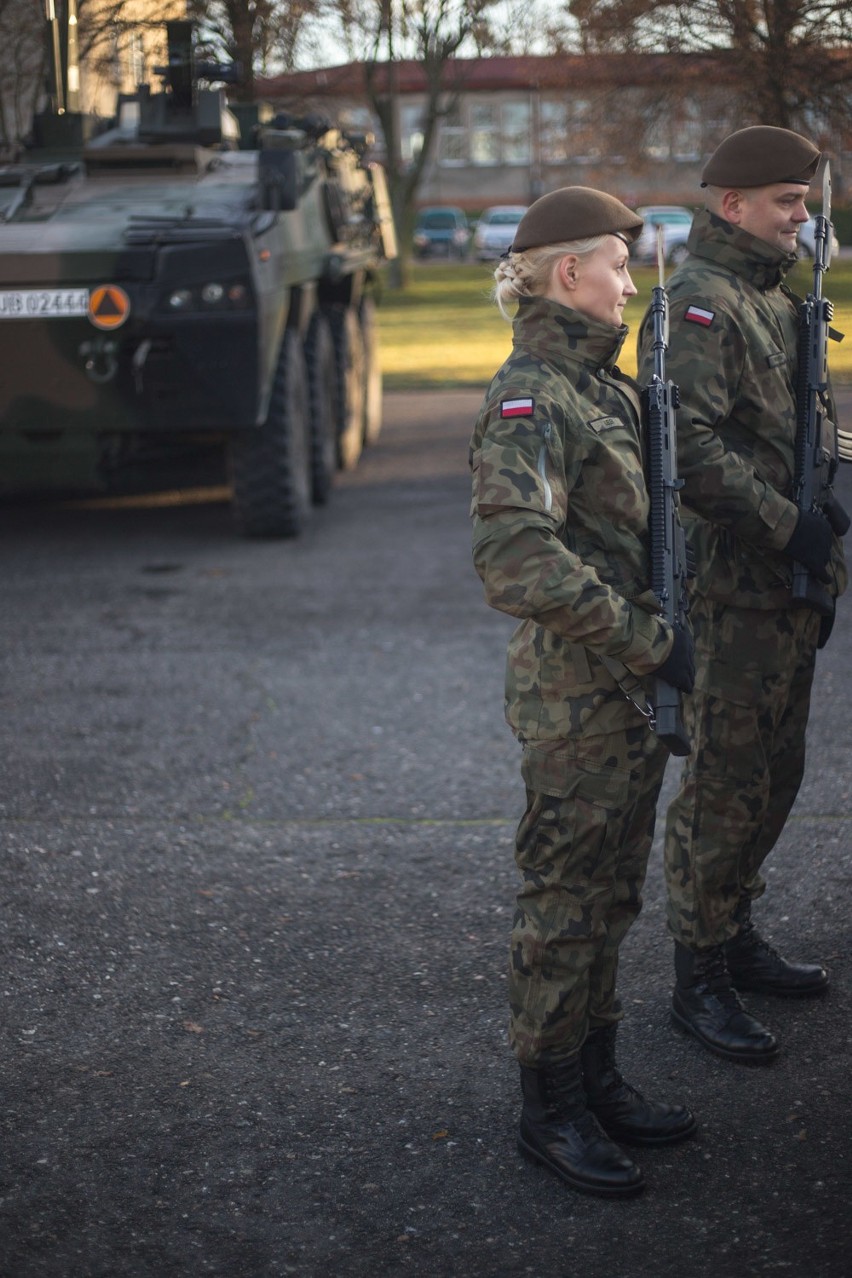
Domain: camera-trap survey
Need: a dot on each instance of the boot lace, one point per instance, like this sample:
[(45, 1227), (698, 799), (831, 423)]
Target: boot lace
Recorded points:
[(712, 972), (610, 1080), (564, 1109), (566, 1103), (748, 938), (563, 1096)]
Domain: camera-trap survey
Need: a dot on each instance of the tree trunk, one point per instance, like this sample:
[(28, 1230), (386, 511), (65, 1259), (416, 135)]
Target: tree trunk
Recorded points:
[(242, 28)]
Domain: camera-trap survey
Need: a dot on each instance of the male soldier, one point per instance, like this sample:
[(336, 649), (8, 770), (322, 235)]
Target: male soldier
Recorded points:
[(733, 353)]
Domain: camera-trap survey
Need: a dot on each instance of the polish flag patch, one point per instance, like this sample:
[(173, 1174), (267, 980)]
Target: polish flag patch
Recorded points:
[(699, 316), (522, 407)]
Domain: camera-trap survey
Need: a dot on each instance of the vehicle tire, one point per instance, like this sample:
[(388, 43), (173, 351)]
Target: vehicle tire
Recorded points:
[(270, 465), (349, 362), (678, 254), (372, 370), (322, 394)]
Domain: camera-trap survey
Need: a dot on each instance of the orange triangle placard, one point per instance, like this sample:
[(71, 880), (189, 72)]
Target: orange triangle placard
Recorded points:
[(109, 306)]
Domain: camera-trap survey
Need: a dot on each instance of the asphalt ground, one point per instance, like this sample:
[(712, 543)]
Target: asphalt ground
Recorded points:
[(257, 801)]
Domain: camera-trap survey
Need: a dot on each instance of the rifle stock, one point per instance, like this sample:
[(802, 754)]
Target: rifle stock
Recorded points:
[(668, 543)]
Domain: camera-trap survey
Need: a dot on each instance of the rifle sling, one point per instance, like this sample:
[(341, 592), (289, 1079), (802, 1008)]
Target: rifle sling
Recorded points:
[(630, 685)]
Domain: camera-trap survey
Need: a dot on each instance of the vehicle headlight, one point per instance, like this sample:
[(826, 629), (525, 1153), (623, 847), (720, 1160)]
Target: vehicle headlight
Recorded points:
[(212, 295)]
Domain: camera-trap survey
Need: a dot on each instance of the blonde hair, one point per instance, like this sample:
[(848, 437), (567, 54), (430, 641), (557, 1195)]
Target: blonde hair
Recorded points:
[(528, 274)]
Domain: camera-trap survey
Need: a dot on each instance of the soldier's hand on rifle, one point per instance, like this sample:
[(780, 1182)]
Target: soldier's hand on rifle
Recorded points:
[(836, 516), (810, 544), (678, 669)]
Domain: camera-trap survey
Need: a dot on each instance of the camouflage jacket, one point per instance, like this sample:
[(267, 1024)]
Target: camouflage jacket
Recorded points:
[(560, 514), (733, 353)]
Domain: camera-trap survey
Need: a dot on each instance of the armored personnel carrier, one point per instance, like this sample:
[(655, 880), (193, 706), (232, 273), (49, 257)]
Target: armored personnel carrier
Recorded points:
[(169, 290)]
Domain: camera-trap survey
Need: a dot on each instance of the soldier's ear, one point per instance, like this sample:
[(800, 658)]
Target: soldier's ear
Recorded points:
[(567, 271), (732, 206)]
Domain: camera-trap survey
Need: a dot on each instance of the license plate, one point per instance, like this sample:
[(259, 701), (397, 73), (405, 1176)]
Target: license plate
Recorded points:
[(43, 303)]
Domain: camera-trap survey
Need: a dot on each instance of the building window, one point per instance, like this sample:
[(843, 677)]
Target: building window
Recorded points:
[(410, 133), (568, 131), (686, 141), (495, 134), (484, 134), (114, 57), (553, 135), (452, 144), (583, 135), (136, 58), (516, 132)]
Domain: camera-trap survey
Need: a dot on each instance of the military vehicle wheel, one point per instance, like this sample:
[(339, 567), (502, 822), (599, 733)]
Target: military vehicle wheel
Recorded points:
[(349, 355), (270, 466), (372, 370), (323, 392)]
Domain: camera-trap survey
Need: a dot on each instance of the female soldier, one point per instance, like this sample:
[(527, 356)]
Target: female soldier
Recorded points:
[(560, 513)]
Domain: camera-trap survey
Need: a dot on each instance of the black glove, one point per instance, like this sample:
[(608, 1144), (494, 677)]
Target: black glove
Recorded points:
[(836, 516), (810, 544), (678, 669)]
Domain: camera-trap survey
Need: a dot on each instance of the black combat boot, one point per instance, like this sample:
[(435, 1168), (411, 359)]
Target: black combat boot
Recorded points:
[(558, 1131), (754, 965), (705, 1004), (621, 1110)]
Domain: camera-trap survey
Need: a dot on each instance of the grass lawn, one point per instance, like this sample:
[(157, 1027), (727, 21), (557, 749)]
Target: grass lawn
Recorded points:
[(445, 332)]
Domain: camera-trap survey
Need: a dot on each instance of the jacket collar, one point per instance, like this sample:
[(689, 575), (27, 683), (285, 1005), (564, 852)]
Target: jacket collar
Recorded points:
[(564, 336), (717, 240)]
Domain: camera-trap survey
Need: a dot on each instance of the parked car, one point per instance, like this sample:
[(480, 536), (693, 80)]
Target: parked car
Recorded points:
[(441, 230), (806, 240), (675, 221), (495, 230)]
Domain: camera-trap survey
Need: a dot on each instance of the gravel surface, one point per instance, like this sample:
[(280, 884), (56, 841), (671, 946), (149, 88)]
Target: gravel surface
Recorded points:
[(258, 802)]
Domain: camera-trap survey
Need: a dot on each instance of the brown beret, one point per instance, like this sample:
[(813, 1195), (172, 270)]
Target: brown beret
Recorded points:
[(761, 156), (575, 213)]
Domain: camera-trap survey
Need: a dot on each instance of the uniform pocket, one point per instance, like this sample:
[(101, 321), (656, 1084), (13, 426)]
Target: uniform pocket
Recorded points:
[(561, 769), (508, 479)]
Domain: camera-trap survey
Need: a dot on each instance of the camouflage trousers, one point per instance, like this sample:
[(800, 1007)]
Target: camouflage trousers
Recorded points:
[(582, 849), (747, 719)]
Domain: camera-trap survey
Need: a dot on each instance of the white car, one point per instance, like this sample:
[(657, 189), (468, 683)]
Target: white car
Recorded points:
[(495, 230), (806, 240), (676, 222)]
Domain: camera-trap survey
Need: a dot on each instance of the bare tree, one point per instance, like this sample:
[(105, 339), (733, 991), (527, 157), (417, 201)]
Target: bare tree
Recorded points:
[(521, 27), (790, 59), (23, 59), (384, 35), (258, 34)]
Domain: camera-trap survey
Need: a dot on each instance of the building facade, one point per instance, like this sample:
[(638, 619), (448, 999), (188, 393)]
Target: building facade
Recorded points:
[(638, 125)]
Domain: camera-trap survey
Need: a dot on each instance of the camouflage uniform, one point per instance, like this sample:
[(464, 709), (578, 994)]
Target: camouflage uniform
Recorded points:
[(733, 353), (560, 538)]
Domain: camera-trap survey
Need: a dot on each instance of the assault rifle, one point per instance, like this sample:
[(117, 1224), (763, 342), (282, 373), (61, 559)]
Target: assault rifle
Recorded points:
[(668, 543), (815, 462)]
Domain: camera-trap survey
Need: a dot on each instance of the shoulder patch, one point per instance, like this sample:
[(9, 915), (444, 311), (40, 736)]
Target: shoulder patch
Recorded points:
[(520, 407), (697, 315)]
